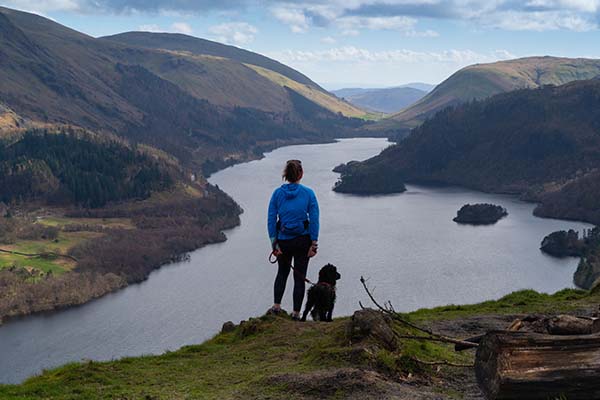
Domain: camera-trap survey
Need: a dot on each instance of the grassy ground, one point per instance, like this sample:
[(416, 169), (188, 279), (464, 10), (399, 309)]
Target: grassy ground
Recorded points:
[(523, 301), (267, 357)]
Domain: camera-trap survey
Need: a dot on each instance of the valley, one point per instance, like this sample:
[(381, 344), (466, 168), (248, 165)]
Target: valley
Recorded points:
[(127, 127)]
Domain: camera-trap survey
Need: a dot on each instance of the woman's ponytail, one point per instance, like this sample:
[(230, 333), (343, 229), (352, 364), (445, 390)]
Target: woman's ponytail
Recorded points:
[(292, 171)]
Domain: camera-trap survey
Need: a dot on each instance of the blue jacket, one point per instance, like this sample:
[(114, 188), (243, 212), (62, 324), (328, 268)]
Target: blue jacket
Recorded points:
[(293, 204)]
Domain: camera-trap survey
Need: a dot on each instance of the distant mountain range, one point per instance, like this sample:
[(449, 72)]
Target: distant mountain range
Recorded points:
[(387, 100), (480, 81), (543, 144)]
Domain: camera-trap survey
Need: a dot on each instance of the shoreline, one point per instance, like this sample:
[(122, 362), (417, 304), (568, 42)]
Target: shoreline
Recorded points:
[(219, 226)]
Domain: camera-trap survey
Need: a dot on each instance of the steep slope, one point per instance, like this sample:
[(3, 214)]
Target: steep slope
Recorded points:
[(543, 143), (193, 106), (193, 45), (388, 100), (221, 73), (480, 81)]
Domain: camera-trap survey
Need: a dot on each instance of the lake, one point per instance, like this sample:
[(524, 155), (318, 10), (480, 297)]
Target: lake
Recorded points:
[(407, 244)]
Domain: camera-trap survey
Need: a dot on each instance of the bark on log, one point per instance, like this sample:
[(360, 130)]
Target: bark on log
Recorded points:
[(525, 365), (570, 325), (557, 325)]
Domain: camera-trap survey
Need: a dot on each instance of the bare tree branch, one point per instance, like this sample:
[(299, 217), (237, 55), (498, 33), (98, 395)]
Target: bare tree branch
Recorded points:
[(395, 316), (443, 362)]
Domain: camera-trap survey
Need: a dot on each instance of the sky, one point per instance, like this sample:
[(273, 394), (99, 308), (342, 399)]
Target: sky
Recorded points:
[(354, 43)]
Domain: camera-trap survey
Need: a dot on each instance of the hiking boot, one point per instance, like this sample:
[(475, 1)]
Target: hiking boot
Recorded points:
[(276, 311)]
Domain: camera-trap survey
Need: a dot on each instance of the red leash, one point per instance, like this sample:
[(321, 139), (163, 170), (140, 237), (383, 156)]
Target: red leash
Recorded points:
[(273, 259)]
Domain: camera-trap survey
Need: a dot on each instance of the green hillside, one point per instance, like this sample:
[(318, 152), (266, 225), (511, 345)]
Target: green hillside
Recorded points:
[(228, 75), (480, 81)]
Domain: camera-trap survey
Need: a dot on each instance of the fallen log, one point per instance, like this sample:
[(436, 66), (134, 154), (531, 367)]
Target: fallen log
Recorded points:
[(557, 325), (525, 365)]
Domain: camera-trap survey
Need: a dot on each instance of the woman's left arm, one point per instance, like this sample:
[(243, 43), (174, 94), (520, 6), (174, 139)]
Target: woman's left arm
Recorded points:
[(313, 216), (272, 219)]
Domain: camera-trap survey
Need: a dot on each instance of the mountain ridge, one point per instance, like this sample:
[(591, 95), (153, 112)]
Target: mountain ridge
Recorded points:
[(479, 81)]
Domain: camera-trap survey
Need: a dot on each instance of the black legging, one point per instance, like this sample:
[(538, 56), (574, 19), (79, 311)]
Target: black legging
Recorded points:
[(297, 249)]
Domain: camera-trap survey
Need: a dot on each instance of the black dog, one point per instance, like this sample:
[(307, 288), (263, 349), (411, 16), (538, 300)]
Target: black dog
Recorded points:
[(321, 297)]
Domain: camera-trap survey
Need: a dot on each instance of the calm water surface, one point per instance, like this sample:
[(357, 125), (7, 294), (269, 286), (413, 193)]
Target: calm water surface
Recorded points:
[(407, 244)]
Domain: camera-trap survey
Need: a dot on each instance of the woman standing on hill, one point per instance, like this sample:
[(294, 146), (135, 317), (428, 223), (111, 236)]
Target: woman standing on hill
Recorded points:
[(293, 225)]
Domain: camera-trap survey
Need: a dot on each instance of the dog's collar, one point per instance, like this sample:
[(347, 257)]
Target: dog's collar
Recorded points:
[(326, 284)]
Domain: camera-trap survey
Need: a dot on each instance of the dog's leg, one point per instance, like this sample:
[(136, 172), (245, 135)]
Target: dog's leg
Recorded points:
[(322, 314), (330, 311), (310, 303)]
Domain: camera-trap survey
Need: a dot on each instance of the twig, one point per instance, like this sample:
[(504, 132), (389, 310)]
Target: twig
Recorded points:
[(443, 362), (395, 316), (49, 254), (424, 338)]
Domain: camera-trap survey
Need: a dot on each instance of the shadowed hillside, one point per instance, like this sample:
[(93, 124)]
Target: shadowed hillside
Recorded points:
[(542, 143)]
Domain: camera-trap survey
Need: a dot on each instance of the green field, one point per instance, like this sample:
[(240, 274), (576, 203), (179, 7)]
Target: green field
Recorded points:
[(56, 265), (61, 245), (124, 223)]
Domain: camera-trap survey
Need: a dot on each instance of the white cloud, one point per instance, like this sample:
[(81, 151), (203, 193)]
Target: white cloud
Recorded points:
[(402, 15), (294, 18), (236, 33), (355, 54), (405, 25), (150, 28), (328, 40), (177, 27), (384, 67), (182, 27), (350, 32), (377, 23), (427, 33), (39, 7), (541, 21)]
